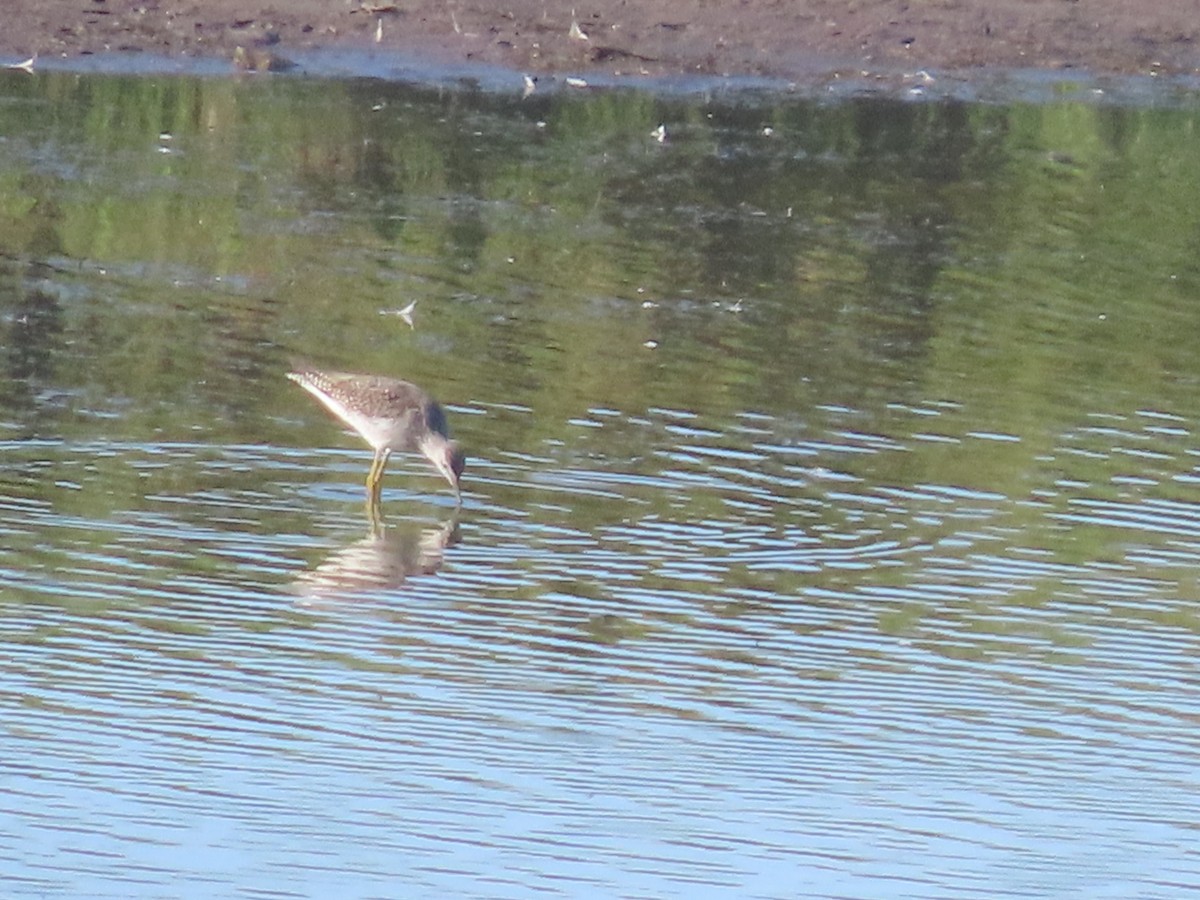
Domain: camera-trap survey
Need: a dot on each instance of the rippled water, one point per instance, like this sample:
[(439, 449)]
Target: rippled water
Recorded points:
[(831, 513)]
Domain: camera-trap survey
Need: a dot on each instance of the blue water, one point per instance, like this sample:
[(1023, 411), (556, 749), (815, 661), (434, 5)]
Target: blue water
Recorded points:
[(830, 516)]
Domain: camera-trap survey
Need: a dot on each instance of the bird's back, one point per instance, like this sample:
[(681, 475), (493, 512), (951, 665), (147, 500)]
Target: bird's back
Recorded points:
[(387, 412)]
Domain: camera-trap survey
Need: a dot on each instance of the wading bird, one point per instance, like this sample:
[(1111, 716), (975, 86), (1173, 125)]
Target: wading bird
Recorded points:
[(390, 415)]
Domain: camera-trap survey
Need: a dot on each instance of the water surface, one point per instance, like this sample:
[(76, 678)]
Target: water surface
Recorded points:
[(830, 526)]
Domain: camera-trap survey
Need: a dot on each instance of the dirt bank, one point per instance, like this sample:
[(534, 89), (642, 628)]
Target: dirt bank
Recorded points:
[(787, 38)]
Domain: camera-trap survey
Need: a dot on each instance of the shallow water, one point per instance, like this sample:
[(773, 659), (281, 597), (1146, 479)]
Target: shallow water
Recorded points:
[(830, 524)]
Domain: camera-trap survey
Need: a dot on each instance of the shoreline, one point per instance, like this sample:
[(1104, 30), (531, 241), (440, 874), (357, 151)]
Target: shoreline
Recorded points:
[(607, 39)]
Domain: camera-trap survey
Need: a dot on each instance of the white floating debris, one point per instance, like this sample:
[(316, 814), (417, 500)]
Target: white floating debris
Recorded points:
[(406, 314), (530, 85), (576, 33), (650, 345), (649, 304), (660, 133), (576, 82), (26, 66), (768, 131), (378, 30)]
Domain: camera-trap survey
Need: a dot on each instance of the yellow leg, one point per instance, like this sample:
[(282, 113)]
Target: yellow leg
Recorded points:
[(375, 475), (375, 516)]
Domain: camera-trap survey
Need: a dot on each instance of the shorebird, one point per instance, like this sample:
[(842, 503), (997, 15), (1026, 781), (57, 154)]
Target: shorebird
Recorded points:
[(390, 415)]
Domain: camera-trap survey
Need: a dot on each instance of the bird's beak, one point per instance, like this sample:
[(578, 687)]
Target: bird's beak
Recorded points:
[(450, 476)]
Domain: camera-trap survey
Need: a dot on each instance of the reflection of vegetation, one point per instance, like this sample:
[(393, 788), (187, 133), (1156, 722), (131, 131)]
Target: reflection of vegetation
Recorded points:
[(788, 253), (871, 322)]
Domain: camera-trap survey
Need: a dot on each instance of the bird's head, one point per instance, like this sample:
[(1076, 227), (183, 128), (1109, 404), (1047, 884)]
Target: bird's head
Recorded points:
[(450, 461)]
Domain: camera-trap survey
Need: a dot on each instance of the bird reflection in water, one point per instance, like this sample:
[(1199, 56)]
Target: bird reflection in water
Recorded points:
[(391, 415), (384, 560)]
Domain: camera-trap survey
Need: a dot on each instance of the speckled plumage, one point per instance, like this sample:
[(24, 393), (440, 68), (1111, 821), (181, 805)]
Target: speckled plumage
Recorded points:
[(390, 415)]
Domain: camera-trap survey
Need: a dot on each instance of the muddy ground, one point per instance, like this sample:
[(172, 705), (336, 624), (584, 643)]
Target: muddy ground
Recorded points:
[(784, 38)]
